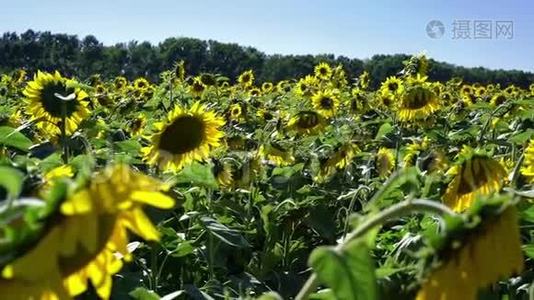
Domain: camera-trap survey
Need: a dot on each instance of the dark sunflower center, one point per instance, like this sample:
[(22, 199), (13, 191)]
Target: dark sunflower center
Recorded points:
[(327, 103), (236, 111), (183, 135), (393, 86), (246, 78), (418, 98), (136, 125), (307, 120), (476, 180), (198, 87), (323, 71), (500, 100), (52, 104)]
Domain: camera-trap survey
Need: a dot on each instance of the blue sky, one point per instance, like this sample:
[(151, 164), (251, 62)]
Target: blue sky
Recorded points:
[(351, 28)]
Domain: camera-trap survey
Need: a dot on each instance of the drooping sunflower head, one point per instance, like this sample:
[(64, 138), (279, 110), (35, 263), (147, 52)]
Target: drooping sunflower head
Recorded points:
[(474, 257), (499, 99), (208, 79), (528, 164), (417, 103), (51, 97), (306, 122), (88, 239), (474, 173), (276, 153), (326, 102), (323, 71), (385, 161), (137, 125), (179, 70), (186, 135), (197, 87), (246, 78), (363, 80)]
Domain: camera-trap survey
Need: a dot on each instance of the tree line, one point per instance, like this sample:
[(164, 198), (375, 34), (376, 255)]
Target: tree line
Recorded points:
[(73, 56)]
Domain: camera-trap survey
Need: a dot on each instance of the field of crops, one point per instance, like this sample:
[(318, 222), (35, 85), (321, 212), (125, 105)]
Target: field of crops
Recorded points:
[(319, 187)]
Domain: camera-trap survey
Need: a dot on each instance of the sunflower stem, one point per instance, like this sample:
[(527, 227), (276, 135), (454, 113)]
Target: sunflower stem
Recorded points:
[(64, 132), (396, 211)]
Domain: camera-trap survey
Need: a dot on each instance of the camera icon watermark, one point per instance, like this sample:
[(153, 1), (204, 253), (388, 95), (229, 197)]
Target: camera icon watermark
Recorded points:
[(435, 29), (466, 29)]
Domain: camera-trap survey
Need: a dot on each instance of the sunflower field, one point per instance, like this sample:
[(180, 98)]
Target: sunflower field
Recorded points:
[(319, 187)]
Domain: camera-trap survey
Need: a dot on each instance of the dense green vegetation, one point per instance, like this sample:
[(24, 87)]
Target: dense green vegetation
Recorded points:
[(71, 55)]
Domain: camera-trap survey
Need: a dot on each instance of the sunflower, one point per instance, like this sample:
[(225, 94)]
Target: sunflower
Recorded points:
[(141, 83), (223, 173), (236, 112), (417, 103), (385, 162), (306, 122), (528, 164), (137, 125), (185, 136), (267, 87), (340, 158), (265, 114), (323, 71), (363, 80), (413, 150), (491, 251), (120, 82), (197, 87), (85, 241), (392, 85), (179, 70), (208, 79), (50, 97), (254, 92), (246, 79), (498, 99), (468, 95), (325, 102), (277, 154), (306, 86), (474, 173)]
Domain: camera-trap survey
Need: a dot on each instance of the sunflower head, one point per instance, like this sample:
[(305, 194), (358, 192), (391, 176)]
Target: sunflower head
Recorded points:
[(418, 102), (326, 102), (306, 122), (385, 162), (528, 164), (277, 154), (474, 173), (141, 83), (323, 71), (120, 82), (267, 87), (179, 70), (499, 99), (51, 97), (186, 135), (246, 79), (475, 256), (197, 87), (392, 86)]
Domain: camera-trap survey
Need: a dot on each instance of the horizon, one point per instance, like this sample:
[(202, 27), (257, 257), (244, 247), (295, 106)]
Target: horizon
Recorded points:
[(356, 30), (296, 54)]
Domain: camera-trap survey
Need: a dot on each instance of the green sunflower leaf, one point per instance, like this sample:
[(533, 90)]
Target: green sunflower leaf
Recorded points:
[(349, 273), (13, 138)]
